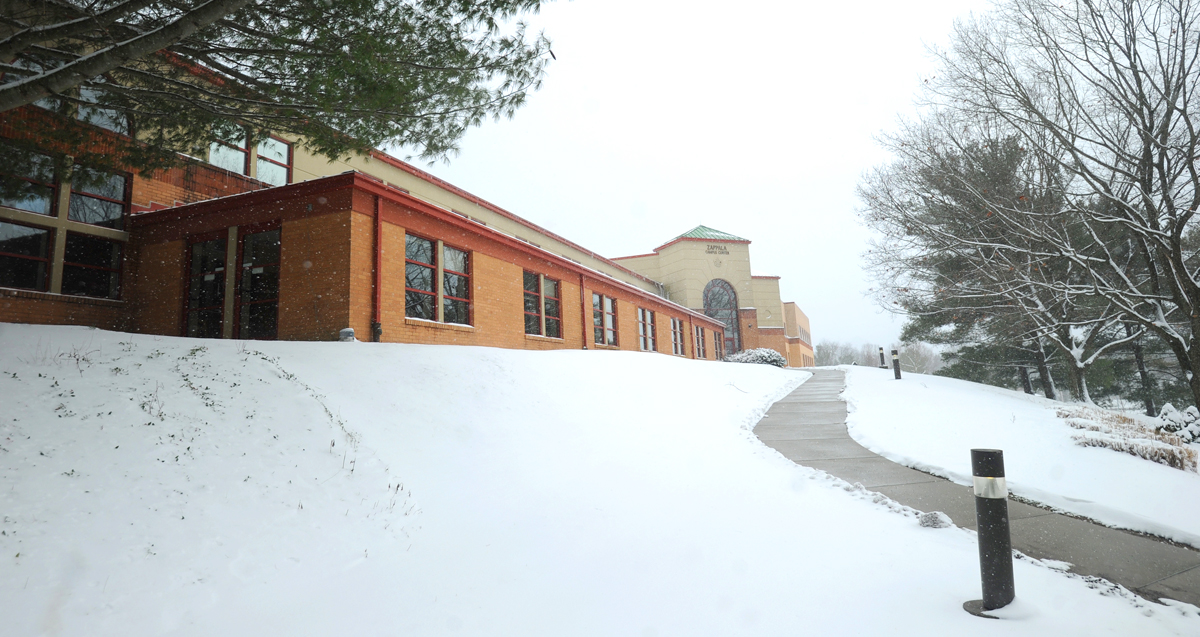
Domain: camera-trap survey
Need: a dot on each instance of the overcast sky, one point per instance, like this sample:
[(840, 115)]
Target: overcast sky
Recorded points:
[(757, 120)]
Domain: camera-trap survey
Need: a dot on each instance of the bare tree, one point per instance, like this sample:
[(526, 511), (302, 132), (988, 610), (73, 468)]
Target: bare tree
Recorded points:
[(1106, 89)]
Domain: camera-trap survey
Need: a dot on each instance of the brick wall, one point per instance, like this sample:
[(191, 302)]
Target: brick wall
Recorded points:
[(189, 183), (314, 277), (41, 308), (156, 287)]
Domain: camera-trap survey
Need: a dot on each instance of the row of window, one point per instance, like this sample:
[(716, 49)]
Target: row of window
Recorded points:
[(604, 328), (272, 161), (97, 198), (272, 158), (91, 265), (447, 299)]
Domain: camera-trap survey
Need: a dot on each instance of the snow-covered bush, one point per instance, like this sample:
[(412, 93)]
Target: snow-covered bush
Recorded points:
[(761, 355), (1185, 424), (1136, 436)]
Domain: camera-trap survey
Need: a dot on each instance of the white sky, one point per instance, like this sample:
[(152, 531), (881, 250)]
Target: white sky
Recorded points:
[(659, 116)]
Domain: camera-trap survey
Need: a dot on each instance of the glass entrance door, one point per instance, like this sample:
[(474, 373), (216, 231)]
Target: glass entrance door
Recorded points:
[(206, 288), (258, 286)]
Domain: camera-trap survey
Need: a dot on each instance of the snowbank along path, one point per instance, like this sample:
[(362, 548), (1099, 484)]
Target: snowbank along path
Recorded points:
[(168, 486)]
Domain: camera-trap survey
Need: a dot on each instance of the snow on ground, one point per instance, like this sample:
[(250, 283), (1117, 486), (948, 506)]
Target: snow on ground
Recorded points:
[(167, 486), (931, 423)]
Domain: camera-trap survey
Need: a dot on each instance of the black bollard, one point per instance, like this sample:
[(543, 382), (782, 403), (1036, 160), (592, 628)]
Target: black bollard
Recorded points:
[(882, 363), (995, 542), (896, 363)]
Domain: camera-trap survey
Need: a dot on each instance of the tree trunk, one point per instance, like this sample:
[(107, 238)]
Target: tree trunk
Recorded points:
[(1147, 387), (1025, 384), (1044, 374)]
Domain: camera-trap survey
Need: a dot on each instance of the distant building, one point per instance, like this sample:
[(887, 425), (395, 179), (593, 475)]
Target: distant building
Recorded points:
[(267, 240), (709, 271)]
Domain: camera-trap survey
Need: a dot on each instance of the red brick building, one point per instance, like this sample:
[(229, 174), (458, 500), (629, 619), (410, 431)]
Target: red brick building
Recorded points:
[(258, 243)]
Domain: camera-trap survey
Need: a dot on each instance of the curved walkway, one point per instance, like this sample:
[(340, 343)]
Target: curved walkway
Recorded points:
[(809, 427)]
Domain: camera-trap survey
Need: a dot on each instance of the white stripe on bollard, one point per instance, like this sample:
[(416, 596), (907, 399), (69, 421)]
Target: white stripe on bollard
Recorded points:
[(993, 488)]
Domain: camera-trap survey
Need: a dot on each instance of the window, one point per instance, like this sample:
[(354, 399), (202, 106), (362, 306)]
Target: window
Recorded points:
[(91, 267), (717, 353), (24, 256), (106, 118), (274, 162), (677, 346), (98, 198), (552, 304), (28, 183), (231, 152), (48, 103), (533, 303), (646, 336), (604, 319), (258, 287), (419, 276), (700, 350), (206, 288), (456, 286), (543, 306), (89, 263), (720, 302), (421, 282)]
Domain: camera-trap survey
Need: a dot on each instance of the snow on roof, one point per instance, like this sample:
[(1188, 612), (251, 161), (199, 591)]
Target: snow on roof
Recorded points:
[(704, 232)]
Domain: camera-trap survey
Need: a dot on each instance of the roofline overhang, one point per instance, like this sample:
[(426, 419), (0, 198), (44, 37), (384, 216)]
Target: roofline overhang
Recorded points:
[(379, 188), (445, 185)]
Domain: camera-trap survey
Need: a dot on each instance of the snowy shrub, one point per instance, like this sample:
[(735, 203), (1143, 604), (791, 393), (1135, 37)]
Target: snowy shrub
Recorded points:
[(761, 355), (1141, 438), (1185, 424)]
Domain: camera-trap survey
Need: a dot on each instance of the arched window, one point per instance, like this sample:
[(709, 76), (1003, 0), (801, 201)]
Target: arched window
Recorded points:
[(720, 302)]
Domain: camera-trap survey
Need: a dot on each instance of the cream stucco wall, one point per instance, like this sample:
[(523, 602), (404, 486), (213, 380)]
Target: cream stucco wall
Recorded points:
[(767, 302), (307, 166), (685, 267)]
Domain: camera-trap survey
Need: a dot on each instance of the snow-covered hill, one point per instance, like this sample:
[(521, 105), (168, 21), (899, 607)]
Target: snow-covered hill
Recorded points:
[(930, 423), (166, 486)]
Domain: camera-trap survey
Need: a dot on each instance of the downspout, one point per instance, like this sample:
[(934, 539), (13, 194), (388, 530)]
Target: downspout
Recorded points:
[(582, 312), (377, 293)]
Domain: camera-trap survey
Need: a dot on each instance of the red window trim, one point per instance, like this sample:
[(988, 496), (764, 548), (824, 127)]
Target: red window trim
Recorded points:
[(541, 314), (536, 294), (244, 150), (97, 267), (701, 350), (125, 204), (647, 338), (603, 314), (238, 304), (290, 158), (432, 266), (466, 275), (546, 297), (678, 343), (186, 271), (48, 259), (53, 186)]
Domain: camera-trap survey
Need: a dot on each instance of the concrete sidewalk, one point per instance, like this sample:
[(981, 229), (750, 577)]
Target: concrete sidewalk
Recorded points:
[(809, 427)]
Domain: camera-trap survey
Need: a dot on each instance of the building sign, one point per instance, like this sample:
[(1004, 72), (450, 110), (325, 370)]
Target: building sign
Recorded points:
[(716, 249)]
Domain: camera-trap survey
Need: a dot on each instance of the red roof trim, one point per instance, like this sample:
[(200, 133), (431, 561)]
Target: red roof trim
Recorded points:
[(445, 185), (396, 195), (636, 256)]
